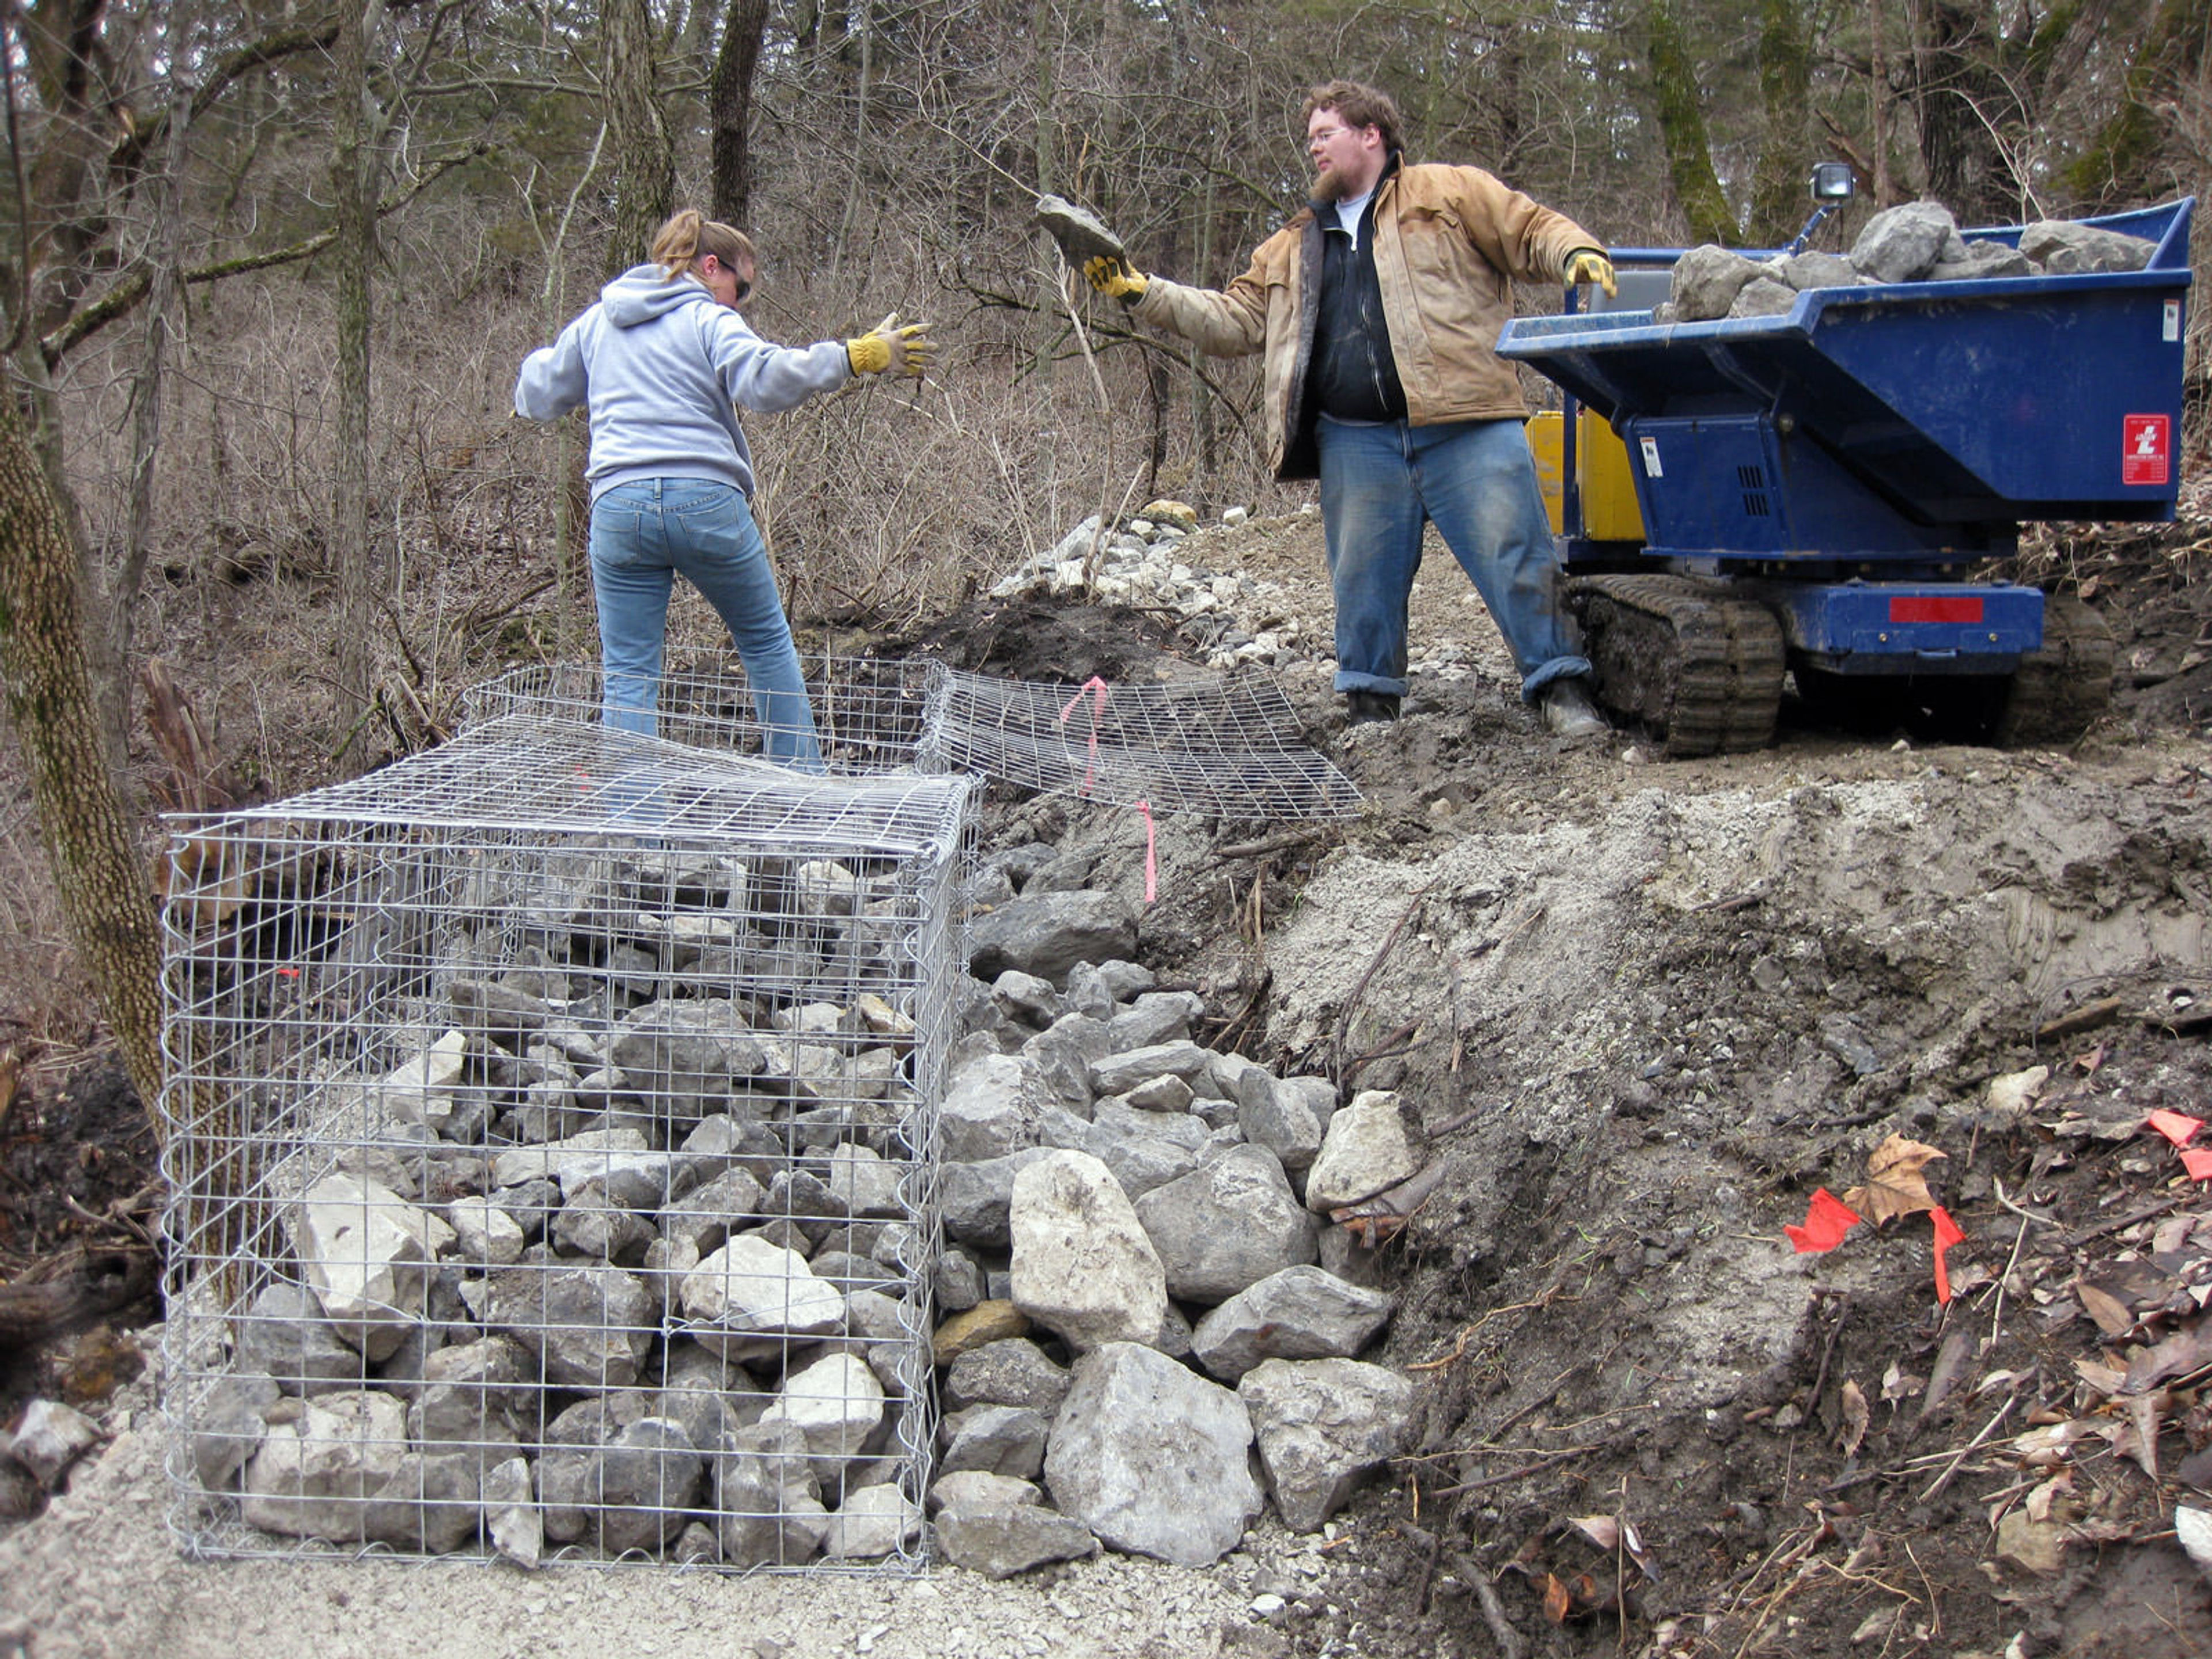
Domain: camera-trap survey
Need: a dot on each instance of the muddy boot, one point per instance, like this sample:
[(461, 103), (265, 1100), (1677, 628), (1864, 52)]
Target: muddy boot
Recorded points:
[(1365, 707), (1568, 710)]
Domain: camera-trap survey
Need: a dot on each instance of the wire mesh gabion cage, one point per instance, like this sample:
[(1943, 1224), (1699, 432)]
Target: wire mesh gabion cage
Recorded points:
[(551, 1137)]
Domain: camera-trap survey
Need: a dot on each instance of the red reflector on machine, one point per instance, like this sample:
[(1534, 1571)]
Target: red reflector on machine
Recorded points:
[(1934, 608)]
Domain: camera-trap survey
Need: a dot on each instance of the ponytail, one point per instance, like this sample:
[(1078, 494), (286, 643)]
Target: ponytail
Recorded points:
[(689, 236)]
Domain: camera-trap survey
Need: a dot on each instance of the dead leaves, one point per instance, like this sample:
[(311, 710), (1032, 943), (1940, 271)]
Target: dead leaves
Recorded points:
[(1894, 1185)]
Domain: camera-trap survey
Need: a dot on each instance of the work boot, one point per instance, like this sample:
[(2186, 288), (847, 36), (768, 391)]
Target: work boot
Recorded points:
[(1568, 710), (1362, 708)]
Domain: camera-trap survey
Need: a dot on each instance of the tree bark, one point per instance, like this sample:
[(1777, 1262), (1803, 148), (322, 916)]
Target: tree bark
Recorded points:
[(1785, 87), (51, 700), (729, 110), (353, 189), (644, 152), (1682, 128)]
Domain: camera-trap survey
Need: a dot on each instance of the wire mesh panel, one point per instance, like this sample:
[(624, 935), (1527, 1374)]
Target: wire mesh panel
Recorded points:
[(550, 1138), (1227, 748), (867, 711)]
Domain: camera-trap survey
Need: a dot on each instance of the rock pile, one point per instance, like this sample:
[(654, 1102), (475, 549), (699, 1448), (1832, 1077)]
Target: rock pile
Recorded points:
[(1142, 1286), (1238, 621), (1915, 242)]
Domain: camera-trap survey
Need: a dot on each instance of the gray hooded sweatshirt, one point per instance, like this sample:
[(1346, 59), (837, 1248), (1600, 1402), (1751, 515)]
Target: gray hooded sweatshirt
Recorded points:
[(661, 365)]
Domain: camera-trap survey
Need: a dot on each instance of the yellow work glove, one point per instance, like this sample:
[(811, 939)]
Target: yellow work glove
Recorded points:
[(1117, 278), (1587, 265), (887, 345)]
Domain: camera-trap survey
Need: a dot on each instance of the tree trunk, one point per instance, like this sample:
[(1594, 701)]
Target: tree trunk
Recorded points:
[(48, 685), (1964, 104), (1682, 129), (2119, 165), (1785, 89), (353, 186), (729, 109), (644, 152)]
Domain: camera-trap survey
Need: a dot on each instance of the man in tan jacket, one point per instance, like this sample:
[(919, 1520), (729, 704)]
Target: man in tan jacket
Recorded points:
[(1377, 310)]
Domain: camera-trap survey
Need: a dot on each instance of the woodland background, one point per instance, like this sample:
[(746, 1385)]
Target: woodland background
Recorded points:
[(267, 268)]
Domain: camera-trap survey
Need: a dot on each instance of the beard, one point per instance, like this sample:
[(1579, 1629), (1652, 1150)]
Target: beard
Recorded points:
[(1330, 186)]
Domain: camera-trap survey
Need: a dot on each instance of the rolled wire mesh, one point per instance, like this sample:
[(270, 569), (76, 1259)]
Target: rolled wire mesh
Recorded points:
[(551, 1136), (1225, 748)]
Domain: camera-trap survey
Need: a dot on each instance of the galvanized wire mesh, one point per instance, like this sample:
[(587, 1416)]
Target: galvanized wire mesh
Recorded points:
[(1224, 748), (550, 1134), (1229, 749), (867, 711)]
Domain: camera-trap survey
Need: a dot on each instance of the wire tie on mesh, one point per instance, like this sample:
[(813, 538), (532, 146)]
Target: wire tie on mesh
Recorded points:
[(1151, 854), (1096, 687)]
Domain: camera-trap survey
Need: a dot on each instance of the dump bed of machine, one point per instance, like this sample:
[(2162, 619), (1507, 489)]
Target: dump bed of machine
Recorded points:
[(2017, 398)]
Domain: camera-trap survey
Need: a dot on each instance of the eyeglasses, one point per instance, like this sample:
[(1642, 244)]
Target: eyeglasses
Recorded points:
[(1314, 140), (745, 288)]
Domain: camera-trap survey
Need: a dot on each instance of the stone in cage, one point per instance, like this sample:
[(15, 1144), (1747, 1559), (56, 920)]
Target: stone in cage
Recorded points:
[(550, 1134)]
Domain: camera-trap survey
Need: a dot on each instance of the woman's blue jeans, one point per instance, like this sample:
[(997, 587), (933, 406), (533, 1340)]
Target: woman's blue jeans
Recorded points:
[(1475, 481), (642, 533)]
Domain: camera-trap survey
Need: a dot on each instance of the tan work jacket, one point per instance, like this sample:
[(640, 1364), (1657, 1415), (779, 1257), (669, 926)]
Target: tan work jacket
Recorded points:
[(1448, 240)]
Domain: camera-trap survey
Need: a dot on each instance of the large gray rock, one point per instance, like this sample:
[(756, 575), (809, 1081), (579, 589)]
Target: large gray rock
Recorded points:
[(1083, 1266), (646, 1477), (1707, 280), (1047, 934), (1227, 1224), (469, 1390), (1287, 1115), (750, 1297), (228, 1425), (991, 1108), (1119, 1073), (1984, 259), (976, 1199), (838, 1404), (1157, 1017), (1321, 1424), (49, 1436), (685, 1059), (872, 1522), (569, 1163), (1369, 1149), (590, 1327), (1062, 1057), (2064, 248), (704, 1218), (512, 1520), (366, 1253), (769, 1501), (1903, 243), (1007, 1440), (1012, 1371), (1300, 1312), (1001, 1542), (1815, 269), (284, 1335), (308, 1477), (1763, 297), (1152, 1458)]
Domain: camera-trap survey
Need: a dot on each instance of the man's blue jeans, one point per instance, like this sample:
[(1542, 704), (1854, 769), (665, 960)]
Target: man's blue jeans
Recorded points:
[(1475, 480), (645, 531)]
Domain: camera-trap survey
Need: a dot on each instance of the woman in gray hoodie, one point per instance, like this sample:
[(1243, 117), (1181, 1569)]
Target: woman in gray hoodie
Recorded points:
[(664, 361)]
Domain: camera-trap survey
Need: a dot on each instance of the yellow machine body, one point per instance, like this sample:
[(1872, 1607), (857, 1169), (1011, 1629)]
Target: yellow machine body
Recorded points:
[(1609, 490)]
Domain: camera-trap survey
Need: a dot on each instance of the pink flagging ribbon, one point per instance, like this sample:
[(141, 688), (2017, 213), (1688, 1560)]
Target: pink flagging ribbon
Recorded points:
[(1096, 687), (1151, 854)]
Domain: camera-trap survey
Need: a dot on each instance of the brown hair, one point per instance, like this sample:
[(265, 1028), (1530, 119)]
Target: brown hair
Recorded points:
[(688, 236), (1359, 106)]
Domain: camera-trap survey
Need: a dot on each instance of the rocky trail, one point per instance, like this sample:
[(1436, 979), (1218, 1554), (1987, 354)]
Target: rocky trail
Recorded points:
[(1641, 1013)]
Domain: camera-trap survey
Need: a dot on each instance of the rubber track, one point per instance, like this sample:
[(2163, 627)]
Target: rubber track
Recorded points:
[(2061, 687), (1701, 669)]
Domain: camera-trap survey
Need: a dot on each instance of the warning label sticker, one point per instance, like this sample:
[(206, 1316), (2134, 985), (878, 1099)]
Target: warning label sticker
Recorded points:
[(2146, 449), (1651, 469)]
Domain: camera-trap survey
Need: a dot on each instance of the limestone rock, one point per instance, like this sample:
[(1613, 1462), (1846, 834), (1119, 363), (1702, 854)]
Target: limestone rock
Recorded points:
[(750, 1297), (1301, 1313), (1227, 1225), (1152, 1458), (366, 1253), (1368, 1149), (1047, 934), (1321, 1424), (1083, 1266)]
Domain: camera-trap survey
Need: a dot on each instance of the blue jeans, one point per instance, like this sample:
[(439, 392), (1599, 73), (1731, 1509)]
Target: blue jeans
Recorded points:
[(1475, 480), (644, 532)]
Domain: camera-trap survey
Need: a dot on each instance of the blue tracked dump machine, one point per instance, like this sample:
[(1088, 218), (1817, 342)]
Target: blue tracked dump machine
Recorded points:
[(1813, 489)]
